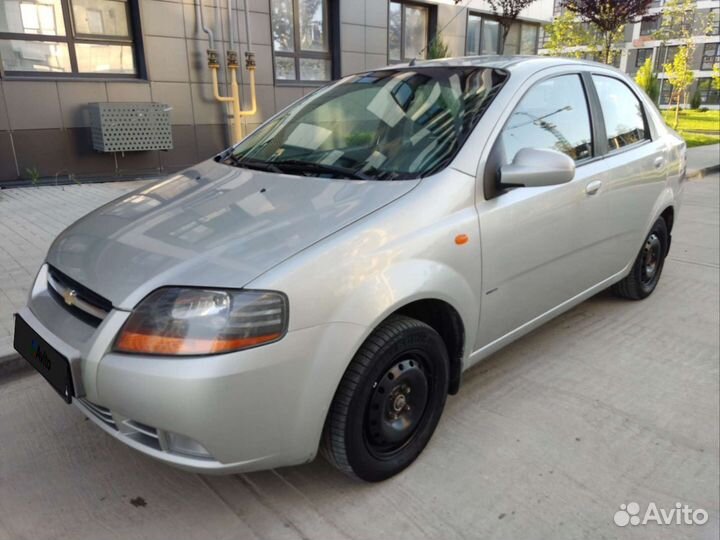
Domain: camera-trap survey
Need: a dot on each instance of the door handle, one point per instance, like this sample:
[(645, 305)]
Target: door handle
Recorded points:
[(659, 162), (593, 187)]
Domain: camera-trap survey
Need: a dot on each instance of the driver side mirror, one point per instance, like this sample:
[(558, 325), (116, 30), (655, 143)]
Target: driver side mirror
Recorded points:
[(537, 167)]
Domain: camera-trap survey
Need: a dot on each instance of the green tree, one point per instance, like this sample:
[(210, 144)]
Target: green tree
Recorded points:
[(648, 81), (716, 77), (507, 12), (680, 76), (567, 36), (438, 48), (608, 18), (678, 19)]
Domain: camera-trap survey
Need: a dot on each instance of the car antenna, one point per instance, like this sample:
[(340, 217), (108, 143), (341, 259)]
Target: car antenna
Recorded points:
[(412, 62)]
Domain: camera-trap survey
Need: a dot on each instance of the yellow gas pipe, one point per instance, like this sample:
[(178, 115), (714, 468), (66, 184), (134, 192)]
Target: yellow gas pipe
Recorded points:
[(234, 98)]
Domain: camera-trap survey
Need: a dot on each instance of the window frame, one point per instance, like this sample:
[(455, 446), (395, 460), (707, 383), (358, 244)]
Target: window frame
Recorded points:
[(331, 25), (645, 55), (71, 38), (603, 143), (490, 186), (431, 27), (662, 56), (705, 89), (597, 127), (715, 56), (520, 22), (715, 14), (650, 24)]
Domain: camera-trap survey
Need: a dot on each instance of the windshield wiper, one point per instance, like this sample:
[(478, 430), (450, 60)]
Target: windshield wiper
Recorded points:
[(250, 163), (320, 168)]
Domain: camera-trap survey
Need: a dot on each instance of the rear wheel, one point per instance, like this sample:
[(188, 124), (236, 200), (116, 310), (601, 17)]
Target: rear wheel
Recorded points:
[(389, 401), (645, 273)]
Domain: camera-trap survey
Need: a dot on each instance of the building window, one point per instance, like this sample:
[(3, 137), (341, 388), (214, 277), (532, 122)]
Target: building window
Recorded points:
[(711, 56), (714, 15), (68, 37), (642, 55), (666, 92), (301, 41), (529, 38), (649, 25), (483, 36), (665, 55), (409, 31), (485, 33), (709, 95)]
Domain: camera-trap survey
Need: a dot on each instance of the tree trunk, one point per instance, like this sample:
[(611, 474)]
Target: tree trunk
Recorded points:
[(676, 123), (505, 32), (607, 47)]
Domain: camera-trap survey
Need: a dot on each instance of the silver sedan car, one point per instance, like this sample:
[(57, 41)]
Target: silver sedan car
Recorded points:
[(324, 283)]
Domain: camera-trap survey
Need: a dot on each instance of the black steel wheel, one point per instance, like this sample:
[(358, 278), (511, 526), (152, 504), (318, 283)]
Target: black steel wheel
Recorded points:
[(645, 273), (389, 401)]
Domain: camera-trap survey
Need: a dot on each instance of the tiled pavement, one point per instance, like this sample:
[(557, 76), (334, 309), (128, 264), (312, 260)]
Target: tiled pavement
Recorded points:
[(30, 219)]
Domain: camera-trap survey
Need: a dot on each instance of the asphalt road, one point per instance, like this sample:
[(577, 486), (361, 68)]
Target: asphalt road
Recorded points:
[(612, 403)]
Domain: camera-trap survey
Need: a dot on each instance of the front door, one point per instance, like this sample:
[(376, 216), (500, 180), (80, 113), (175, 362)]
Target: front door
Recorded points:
[(542, 246)]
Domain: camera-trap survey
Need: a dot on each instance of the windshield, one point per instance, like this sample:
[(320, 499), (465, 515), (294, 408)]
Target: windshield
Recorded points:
[(384, 125)]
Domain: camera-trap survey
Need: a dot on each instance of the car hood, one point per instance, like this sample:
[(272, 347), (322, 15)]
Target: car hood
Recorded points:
[(210, 226)]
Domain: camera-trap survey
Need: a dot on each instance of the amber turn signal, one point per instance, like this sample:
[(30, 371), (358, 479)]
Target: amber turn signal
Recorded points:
[(461, 239)]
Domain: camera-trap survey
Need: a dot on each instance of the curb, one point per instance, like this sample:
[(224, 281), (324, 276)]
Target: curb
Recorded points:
[(697, 174), (12, 363)]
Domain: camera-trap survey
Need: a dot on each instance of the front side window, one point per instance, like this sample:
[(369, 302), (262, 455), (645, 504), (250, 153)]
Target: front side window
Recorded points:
[(711, 56), (67, 37), (622, 111), (554, 115), (408, 31), (384, 125), (301, 40)]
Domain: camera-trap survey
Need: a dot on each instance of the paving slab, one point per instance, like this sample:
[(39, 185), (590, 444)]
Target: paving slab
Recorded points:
[(30, 219)]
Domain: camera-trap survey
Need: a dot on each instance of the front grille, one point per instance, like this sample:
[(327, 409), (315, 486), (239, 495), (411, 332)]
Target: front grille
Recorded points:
[(99, 412), (77, 299)]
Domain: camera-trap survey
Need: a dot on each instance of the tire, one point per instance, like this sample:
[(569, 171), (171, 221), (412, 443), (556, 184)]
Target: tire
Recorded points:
[(648, 266), (388, 402)]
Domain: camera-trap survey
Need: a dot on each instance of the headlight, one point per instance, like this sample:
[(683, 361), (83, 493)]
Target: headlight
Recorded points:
[(177, 321)]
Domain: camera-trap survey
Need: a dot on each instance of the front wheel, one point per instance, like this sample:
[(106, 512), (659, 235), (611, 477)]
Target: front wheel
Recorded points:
[(645, 273), (389, 401)]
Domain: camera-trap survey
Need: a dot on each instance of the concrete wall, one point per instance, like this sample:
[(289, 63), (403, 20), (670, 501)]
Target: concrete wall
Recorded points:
[(44, 125)]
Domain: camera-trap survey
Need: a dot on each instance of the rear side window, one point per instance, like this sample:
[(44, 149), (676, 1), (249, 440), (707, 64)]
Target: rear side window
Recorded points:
[(554, 115), (623, 112)]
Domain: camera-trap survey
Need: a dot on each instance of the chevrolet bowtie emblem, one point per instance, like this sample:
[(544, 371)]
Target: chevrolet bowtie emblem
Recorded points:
[(69, 296)]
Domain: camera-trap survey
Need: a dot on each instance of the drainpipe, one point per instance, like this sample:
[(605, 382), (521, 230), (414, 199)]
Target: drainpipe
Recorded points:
[(232, 64), (199, 10)]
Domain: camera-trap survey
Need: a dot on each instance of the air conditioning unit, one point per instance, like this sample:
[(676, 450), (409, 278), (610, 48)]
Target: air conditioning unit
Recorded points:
[(130, 127)]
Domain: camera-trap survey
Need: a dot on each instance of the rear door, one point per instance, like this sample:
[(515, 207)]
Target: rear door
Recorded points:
[(636, 167)]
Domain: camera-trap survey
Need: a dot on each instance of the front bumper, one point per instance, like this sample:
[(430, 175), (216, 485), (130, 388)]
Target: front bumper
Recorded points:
[(255, 409)]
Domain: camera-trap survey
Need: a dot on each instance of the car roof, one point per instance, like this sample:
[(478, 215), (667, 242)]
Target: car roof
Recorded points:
[(500, 62)]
